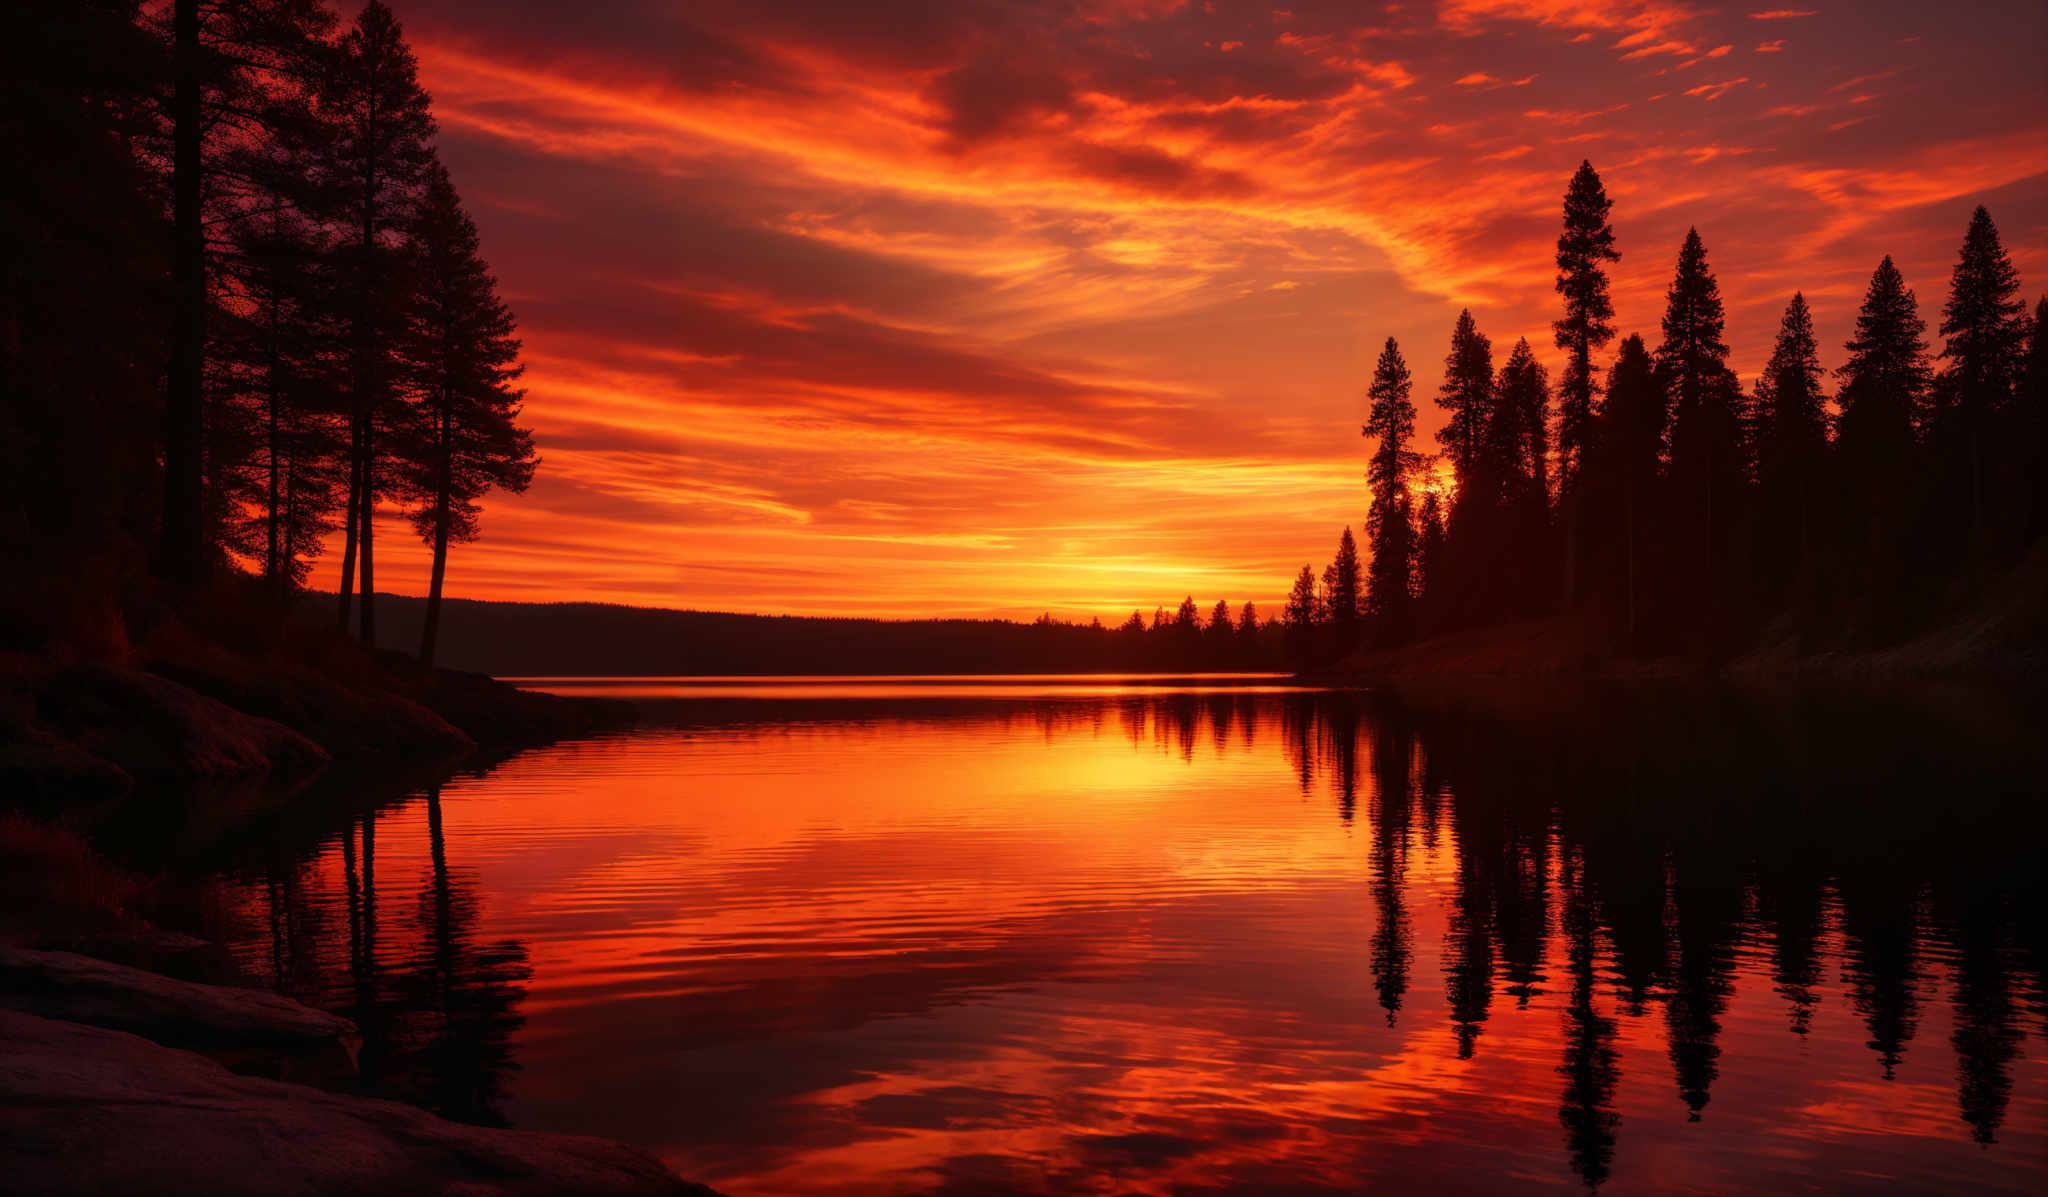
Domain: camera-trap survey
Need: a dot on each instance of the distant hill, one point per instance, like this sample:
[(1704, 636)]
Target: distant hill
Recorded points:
[(604, 639)]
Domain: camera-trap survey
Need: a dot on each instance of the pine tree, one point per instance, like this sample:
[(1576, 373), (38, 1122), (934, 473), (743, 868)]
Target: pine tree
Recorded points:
[(1466, 393), (1882, 396), (1621, 482), (280, 345), (382, 147), (1429, 544), (1707, 470), (1389, 528), (2034, 412), (1302, 616), (1584, 247), (1248, 624), (1345, 591), (238, 68), (1985, 323), (1791, 446), (1515, 444), (461, 360)]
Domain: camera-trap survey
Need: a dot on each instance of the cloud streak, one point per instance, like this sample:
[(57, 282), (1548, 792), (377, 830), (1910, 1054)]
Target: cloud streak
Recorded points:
[(1020, 306)]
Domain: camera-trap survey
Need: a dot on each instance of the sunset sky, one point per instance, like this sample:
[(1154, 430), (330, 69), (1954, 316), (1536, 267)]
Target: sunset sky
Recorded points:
[(915, 308)]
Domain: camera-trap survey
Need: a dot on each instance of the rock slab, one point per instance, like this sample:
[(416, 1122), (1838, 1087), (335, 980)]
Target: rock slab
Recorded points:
[(85, 1110), (169, 1011)]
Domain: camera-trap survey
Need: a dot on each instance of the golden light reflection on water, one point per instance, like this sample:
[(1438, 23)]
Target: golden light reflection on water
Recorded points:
[(1172, 939)]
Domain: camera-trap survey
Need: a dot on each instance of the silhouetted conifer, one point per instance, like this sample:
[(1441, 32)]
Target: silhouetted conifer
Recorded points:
[(461, 360), (1389, 523), (1791, 449), (1707, 470), (1466, 393), (2034, 415), (1248, 624), (1344, 592), (1583, 249), (1883, 388), (1429, 543), (1302, 615), (377, 170), (1621, 488), (1515, 445), (238, 69), (280, 386), (1985, 324)]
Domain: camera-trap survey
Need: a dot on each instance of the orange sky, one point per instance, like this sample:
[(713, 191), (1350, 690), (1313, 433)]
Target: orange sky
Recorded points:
[(990, 308)]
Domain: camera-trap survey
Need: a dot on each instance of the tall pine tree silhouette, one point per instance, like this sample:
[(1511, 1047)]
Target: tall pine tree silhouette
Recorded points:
[(2034, 413), (1791, 449), (1466, 393), (462, 359), (1622, 489), (1390, 417), (1429, 546), (1706, 475), (1985, 323), (1883, 390), (1343, 587), (237, 67), (383, 135), (1583, 250)]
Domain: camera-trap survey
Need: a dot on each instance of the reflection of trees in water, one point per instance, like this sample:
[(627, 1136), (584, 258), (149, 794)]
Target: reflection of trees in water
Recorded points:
[(1986, 1036), (1648, 852), (1880, 925), (1393, 753), (1669, 846), (461, 995), (1706, 916), (1792, 905), (1591, 1066), (1468, 944), (436, 1006), (1524, 912)]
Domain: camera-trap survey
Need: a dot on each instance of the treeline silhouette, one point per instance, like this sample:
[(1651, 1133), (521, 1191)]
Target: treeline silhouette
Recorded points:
[(583, 639), (235, 261), (1675, 511)]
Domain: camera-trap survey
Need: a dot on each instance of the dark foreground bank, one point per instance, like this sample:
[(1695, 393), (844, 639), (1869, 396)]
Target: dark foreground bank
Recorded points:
[(133, 1057)]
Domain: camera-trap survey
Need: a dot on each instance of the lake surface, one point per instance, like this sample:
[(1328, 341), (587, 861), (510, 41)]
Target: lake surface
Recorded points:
[(1082, 935)]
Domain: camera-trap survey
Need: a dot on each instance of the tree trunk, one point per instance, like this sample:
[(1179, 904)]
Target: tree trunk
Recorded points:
[(180, 555), (271, 564), (431, 630), (291, 522), (364, 398), (348, 543), (367, 515)]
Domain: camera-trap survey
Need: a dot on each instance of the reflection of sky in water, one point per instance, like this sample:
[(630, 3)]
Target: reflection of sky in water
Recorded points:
[(1176, 939)]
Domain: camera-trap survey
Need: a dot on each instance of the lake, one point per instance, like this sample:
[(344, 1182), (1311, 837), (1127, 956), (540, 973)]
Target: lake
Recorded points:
[(1074, 935)]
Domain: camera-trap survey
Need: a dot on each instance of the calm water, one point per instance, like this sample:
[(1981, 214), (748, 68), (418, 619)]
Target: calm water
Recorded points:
[(1090, 935)]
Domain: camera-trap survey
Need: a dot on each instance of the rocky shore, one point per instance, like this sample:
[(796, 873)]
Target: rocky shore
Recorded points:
[(87, 1109), (129, 1060)]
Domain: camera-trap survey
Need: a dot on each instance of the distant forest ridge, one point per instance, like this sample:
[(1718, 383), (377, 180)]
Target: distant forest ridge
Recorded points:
[(511, 639)]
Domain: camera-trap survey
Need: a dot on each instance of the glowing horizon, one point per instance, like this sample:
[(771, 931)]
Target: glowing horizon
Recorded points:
[(1001, 309)]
